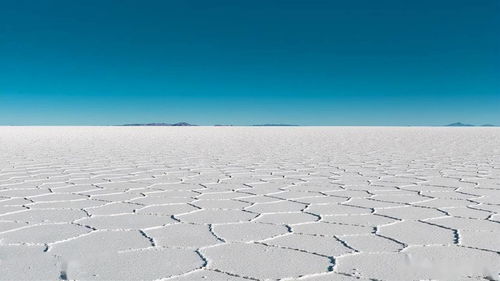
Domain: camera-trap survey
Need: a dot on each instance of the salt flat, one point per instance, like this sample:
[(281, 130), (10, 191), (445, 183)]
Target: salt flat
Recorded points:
[(243, 203)]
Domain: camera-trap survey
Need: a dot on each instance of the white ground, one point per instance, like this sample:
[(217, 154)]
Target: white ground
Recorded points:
[(222, 203)]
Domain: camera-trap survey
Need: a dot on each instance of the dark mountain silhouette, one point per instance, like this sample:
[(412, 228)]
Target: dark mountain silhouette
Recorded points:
[(182, 124), (459, 124)]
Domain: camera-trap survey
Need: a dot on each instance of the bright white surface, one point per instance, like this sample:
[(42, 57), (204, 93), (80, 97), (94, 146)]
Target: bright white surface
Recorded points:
[(231, 203)]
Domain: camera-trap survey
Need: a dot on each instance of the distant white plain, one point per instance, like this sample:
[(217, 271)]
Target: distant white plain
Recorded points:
[(249, 203)]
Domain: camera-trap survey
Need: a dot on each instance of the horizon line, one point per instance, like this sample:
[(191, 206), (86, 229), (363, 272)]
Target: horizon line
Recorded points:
[(69, 125)]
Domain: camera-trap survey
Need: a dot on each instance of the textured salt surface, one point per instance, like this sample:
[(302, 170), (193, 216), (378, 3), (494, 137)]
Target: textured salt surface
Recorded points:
[(229, 203)]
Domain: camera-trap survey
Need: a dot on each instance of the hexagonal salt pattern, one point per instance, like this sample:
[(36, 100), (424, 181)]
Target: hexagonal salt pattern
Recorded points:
[(231, 203)]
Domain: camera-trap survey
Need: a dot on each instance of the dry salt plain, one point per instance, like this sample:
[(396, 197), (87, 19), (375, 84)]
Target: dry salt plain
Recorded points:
[(233, 203)]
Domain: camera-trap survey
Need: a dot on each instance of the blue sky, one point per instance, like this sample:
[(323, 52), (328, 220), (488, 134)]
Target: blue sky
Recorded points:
[(308, 62)]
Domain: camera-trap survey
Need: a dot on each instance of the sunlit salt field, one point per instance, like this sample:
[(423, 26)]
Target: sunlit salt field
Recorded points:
[(249, 203)]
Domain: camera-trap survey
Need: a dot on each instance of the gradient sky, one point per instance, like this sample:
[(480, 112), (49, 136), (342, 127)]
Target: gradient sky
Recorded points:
[(308, 62)]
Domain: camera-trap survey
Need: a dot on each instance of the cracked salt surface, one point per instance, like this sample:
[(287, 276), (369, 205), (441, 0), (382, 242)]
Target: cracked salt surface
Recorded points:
[(204, 203)]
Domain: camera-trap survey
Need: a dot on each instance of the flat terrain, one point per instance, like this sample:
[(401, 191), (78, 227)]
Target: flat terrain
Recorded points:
[(234, 203)]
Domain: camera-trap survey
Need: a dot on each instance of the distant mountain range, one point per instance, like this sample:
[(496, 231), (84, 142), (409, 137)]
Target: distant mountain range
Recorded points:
[(184, 124), (460, 124), (180, 124)]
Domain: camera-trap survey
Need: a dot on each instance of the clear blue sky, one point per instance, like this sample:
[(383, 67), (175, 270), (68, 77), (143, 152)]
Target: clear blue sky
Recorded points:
[(307, 62)]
